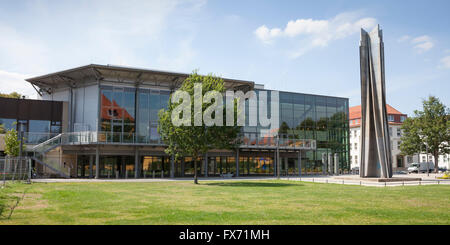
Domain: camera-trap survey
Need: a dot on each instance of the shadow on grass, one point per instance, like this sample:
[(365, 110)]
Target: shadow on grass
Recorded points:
[(251, 184)]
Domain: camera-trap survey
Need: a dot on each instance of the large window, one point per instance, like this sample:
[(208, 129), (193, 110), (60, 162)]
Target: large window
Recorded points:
[(118, 113), (8, 124), (150, 102), (322, 118)]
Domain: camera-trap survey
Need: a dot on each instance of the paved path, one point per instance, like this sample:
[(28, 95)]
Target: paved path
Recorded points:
[(426, 180)]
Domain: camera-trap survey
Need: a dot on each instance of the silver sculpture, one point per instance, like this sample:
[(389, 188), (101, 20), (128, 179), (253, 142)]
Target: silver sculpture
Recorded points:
[(375, 151)]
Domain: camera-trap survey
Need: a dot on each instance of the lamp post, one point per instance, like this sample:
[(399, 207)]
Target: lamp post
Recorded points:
[(20, 138), (428, 166), (278, 156)]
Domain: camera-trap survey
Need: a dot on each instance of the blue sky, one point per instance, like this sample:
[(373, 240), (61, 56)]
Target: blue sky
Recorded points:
[(302, 46)]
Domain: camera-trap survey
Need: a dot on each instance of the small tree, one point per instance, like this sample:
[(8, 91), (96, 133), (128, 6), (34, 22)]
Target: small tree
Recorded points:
[(2, 129), (12, 143), (428, 128), (196, 141)]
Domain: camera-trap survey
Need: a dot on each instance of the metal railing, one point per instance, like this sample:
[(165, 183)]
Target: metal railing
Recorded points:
[(256, 140), (15, 168), (248, 140), (33, 138)]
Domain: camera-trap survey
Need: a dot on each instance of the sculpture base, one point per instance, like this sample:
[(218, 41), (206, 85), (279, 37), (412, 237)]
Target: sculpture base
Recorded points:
[(376, 179)]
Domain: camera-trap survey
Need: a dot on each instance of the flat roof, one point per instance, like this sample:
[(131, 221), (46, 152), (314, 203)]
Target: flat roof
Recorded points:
[(133, 73)]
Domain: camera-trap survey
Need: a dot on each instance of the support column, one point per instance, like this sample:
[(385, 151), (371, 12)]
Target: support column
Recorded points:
[(275, 163), (91, 166), (123, 167), (330, 163), (237, 163), (278, 164), (172, 166), (299, 162), (286, 165), (136, 164), (205, 164), (97, 162), (182, 167), (248, 165), (336, 163)]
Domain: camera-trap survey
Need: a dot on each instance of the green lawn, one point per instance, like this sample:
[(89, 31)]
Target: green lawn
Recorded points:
[(228, 202)]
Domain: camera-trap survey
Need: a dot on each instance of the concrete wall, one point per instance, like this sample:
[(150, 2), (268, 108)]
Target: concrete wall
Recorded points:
[(56, 158)]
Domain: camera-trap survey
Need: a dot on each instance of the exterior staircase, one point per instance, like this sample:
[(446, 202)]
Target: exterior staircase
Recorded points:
[(39, 156)]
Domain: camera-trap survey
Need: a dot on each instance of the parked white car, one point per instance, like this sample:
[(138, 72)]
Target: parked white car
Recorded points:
[(421, 167)]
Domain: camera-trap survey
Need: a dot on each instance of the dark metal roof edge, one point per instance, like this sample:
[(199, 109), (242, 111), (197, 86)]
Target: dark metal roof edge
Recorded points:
[(122, 68)]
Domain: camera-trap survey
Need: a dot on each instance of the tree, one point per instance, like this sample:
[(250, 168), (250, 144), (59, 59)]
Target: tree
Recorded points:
[(429, 128), (2, 129), (12, 143), (14, 95), (196, 141)]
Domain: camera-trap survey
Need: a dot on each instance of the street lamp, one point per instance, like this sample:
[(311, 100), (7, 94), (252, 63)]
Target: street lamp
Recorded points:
[(20, 138)]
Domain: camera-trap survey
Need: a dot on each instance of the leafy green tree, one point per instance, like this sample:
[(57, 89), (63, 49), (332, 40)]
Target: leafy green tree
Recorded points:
[(196, 141), (2, 129), (12, 143), (428, 128), (14, 95)]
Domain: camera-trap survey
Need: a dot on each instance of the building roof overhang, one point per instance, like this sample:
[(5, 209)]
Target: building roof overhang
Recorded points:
[(71, 77)]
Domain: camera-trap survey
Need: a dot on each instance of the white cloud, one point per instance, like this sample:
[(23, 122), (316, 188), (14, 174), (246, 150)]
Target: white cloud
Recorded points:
[(316, 33), (179, 58), (445, 62), (403, 38), (43, 38), (15, 82), (422, 43), (305, 26), (266, 35)]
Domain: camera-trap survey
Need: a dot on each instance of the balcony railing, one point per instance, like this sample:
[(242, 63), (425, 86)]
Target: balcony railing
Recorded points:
[(248, 140), (256, 140), (37, 138)]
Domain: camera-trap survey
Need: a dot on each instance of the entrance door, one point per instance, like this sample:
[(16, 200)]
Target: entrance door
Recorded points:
[(400, 161), (83, 166)]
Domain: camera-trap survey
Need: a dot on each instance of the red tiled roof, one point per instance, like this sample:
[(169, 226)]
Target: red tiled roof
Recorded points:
[(355, 111)]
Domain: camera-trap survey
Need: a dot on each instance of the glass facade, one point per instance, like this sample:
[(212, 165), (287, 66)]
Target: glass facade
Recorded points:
[(118, 114), (130, 112), (8, 124), (35, 131), (150, 101), (304, 116)]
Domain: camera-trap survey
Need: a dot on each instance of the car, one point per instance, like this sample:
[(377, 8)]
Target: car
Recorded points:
[(355, 170), (421, 167)]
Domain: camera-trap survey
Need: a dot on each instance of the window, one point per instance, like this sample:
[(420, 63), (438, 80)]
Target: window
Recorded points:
[(410, 159), (424, 159), (356, 146), (398, 145), (39, 130), (356, 159), (402, 118), (8, 124), (399, 132), (390, 118)]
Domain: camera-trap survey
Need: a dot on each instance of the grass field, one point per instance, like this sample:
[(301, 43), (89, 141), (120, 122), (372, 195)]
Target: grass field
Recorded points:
[(227, 202)]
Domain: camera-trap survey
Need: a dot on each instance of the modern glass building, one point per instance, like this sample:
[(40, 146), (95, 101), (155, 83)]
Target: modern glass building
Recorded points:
[(109, 128)]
